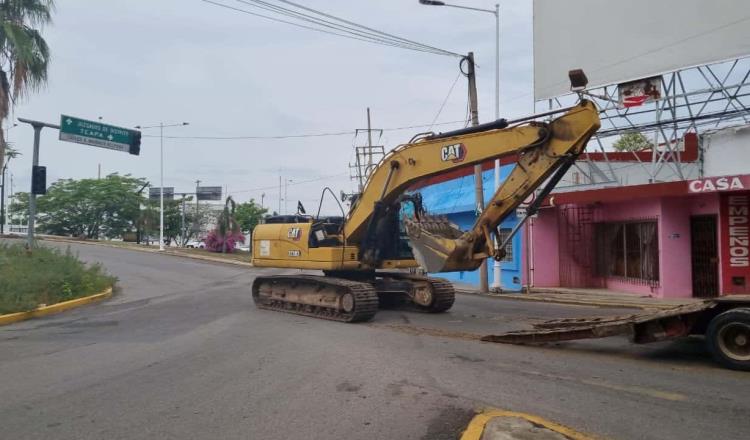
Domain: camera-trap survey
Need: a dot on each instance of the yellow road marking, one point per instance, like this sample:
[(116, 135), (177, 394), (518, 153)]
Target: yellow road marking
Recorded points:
[(476, 426), (54, 308)]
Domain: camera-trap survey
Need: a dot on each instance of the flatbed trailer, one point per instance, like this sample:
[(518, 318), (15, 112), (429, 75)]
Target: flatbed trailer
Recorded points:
[(724, 321)]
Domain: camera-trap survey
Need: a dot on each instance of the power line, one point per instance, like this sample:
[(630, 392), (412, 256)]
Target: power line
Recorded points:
[(296, 136), (385, 38), (440, 110), (446, 52), (359, 32), (301, 182)]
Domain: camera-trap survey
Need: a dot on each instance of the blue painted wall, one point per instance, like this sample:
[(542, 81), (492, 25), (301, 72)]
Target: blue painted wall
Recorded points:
[(455, 199)]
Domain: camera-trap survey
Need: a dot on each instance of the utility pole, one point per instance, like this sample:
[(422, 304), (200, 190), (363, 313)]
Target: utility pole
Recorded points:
[(369, 139), (478, 190), (182, 226), (37, 125), (197, 213), (161, 186), (367, 156), (496, 268), (279, 191)]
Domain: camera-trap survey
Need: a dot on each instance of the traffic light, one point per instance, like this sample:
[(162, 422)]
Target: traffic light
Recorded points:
[(38, 180), (135, 143)]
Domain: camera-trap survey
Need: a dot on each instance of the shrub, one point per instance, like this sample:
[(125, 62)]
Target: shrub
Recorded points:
[(45, 276)]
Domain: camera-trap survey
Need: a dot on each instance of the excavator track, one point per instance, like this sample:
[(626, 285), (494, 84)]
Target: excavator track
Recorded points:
[(445, 295), (442, 293), (334, 299)]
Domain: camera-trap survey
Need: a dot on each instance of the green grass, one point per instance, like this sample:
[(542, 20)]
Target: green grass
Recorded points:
[(45, 276)]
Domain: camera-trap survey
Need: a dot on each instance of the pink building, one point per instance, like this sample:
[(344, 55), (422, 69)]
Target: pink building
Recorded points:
[(678, 239)]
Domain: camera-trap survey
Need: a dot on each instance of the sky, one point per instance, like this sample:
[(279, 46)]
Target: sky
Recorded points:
[(141, 62)]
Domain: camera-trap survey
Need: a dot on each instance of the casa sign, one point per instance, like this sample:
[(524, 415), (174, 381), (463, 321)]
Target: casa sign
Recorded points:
[(716, 184)]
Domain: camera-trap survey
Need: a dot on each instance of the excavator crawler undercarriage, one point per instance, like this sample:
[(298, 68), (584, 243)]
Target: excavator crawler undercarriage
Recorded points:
[(352, 300)]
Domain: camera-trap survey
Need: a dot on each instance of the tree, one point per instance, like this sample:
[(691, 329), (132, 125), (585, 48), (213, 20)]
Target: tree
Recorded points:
[(227, 231), (248, 215), (635, 141), (149, 220), (88, 208), (24, 55)]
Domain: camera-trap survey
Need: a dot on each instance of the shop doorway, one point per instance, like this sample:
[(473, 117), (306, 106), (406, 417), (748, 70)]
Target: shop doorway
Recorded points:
[(705, 256)]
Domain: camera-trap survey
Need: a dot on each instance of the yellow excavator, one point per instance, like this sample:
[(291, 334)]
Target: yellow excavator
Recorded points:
[(364, 254)]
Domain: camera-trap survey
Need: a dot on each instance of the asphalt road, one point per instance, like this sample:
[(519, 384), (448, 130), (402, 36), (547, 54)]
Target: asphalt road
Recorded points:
[(180, 352)]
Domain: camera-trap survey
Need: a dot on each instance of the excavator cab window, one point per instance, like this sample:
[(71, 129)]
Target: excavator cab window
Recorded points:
[(324, 232)]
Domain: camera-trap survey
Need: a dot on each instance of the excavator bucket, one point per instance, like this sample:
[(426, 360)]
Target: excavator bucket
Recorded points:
[(437, 243)]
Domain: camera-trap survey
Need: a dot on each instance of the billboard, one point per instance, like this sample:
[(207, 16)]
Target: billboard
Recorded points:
[(155, 193), (621, 41), (208, 192)]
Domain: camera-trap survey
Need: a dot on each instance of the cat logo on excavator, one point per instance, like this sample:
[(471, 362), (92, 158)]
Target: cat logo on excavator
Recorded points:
[(454, 153), (294, 233)]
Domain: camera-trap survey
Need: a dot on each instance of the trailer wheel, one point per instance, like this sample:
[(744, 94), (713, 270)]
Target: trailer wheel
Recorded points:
[(728, 339)]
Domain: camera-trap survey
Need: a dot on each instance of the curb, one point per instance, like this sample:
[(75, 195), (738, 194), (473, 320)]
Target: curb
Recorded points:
[(591, 303), (152, 251), (475, 429), (55, 308)]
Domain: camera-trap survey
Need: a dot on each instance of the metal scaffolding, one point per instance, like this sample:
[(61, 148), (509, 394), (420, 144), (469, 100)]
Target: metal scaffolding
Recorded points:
[(692, 99)]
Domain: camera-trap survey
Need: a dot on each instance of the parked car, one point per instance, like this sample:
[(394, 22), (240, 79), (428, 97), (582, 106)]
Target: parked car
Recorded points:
[(195, 244), (242, 247)]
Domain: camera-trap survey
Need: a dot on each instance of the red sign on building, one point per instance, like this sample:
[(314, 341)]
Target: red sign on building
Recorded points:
[(735, 241), (717, 184)]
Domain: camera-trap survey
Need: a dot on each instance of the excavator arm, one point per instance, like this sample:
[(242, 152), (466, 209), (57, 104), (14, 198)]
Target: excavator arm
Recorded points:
[(544, 150)]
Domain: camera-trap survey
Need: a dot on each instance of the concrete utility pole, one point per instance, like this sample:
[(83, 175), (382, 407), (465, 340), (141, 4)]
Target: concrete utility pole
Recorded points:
[(182, 221), (496, 13), (161, 186), (161, 127), (478, 189), (197, 214)]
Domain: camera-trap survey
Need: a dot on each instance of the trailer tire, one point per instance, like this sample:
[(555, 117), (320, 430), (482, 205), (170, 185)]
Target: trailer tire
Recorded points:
[(728, 339)]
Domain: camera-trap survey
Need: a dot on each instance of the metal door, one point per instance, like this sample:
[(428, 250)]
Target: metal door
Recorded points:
[(704, 256)]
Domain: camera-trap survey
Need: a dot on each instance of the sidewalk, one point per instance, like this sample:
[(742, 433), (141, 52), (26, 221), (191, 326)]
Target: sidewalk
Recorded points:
[(586, 297), (236, 258)]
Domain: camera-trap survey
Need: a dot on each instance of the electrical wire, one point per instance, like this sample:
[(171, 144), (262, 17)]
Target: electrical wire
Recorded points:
[(446, 52), (301, 182), (296, 136), (440, 110), (361, 33), (375, 35)]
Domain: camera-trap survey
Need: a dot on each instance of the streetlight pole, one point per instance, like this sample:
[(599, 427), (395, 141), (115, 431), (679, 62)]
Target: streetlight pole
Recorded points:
[(161, 186), (496, 12), (161, 127)]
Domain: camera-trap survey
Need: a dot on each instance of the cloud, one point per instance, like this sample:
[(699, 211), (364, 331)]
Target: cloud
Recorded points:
[(142, 62)]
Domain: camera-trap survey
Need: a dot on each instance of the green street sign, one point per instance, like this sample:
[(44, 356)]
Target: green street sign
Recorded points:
[(82, 131)]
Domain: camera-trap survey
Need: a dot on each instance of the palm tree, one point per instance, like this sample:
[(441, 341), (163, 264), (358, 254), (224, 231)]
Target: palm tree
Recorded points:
[(24, 55), (227, 225)]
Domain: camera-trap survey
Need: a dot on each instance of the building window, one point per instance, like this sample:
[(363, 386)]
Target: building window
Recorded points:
[(628, 250), (504, 233)]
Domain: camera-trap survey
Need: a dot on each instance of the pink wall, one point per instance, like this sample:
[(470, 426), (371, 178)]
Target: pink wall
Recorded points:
[(673, 216), (635, 210), (674, 248), (544, 249)]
